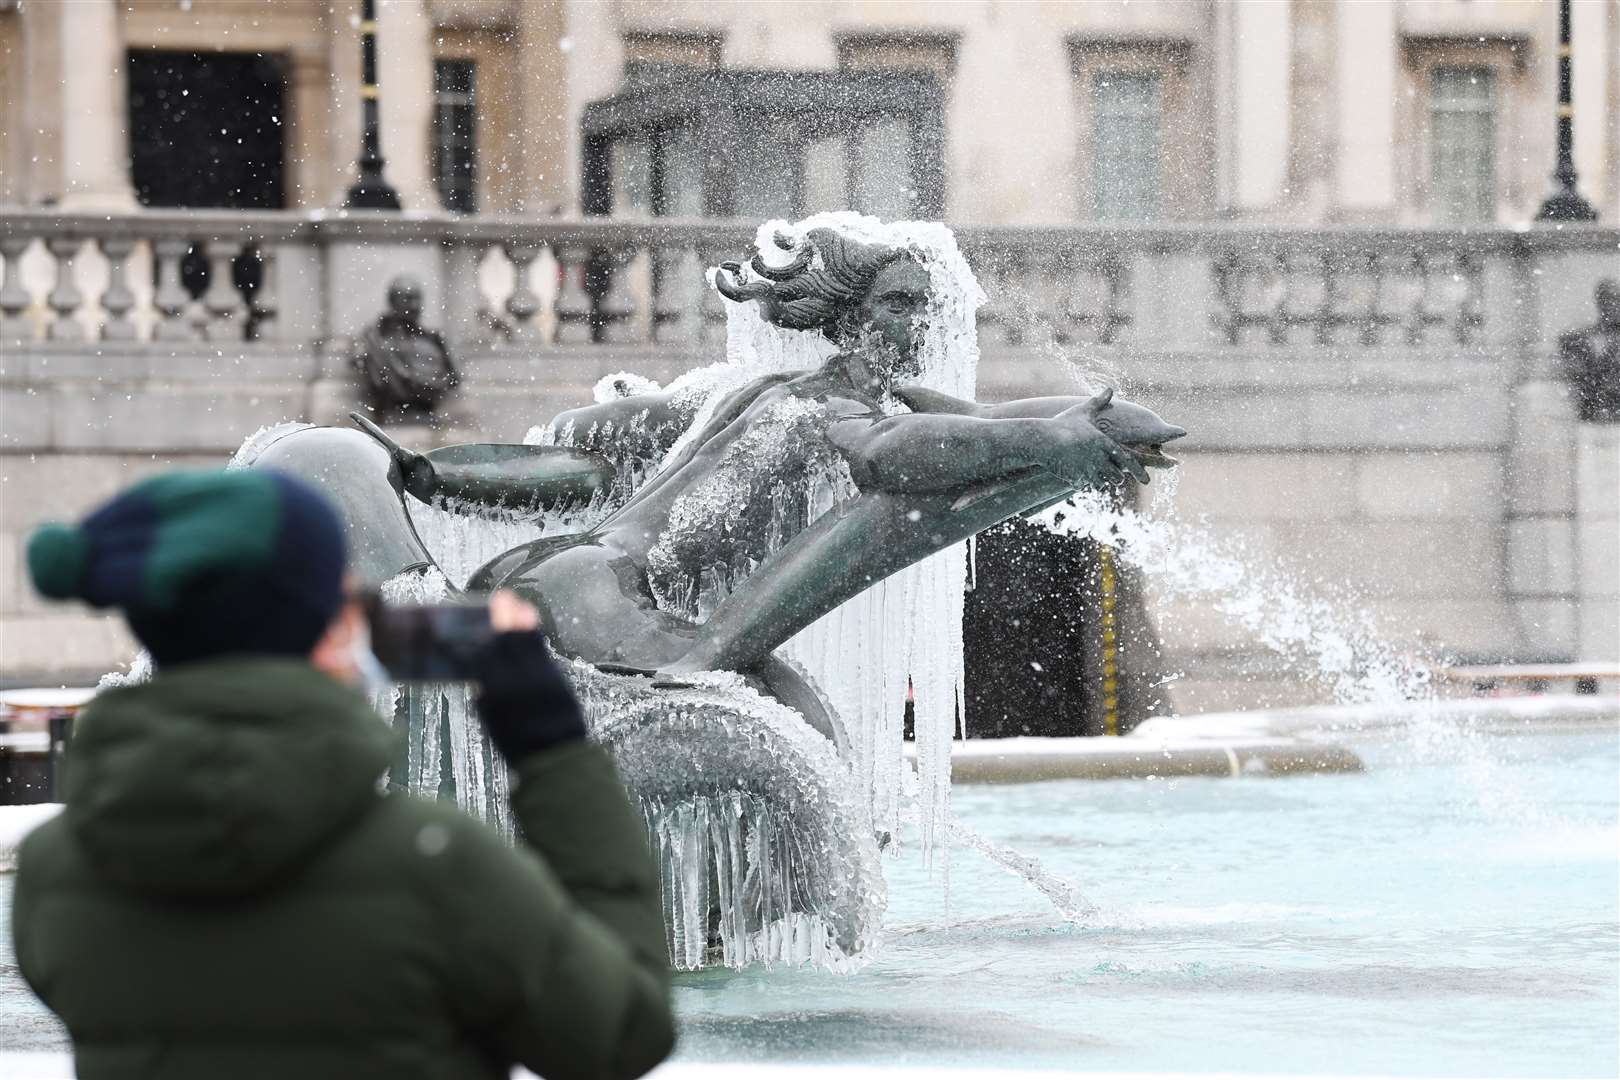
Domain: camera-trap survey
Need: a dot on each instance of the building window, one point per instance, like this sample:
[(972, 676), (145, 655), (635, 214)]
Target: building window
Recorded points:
[(1143, 146), (1462, 144), (1126, 159), (206, 129), (455, 143)]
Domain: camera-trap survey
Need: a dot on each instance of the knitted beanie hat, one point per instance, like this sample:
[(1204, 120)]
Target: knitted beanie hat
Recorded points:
[(204, 563)]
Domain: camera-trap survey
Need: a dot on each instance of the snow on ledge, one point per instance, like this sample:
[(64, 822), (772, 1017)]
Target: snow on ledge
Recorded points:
[(17, 822)]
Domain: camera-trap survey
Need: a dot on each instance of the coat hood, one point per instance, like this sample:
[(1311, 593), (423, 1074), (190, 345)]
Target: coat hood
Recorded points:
[(218, 778)]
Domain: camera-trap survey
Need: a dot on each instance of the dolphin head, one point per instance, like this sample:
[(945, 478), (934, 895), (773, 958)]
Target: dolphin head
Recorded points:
[(1139, 430)]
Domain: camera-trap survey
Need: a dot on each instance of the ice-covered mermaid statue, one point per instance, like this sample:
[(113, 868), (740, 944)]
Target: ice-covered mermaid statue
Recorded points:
[(775, 501)]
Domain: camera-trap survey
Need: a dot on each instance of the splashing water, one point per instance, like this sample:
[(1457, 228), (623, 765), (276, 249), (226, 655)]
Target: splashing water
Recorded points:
[(1315, 630), (1328, 636)]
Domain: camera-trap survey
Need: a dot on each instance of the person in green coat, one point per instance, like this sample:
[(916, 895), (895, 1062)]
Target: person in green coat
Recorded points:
[(229, 893)]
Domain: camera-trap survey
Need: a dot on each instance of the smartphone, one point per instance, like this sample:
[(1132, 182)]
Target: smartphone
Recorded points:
[(428, 642)]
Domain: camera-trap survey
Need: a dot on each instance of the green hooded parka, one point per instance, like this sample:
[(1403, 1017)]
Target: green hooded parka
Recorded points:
[(228, 894)]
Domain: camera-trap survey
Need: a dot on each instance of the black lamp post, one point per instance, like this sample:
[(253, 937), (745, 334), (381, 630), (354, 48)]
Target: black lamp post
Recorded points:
[(371, 191), (1566, 203)]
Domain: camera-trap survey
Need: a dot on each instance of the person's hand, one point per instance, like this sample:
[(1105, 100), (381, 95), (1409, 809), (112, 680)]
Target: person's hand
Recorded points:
[(1082, 455), (508, 613), (525, 701)]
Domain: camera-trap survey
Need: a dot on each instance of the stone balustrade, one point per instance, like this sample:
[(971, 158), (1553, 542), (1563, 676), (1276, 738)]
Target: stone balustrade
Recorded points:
[(168, 277), (1377, 406)]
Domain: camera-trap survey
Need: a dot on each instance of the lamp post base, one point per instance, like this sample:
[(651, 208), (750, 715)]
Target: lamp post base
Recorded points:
[(371, 193), (1566, 205)]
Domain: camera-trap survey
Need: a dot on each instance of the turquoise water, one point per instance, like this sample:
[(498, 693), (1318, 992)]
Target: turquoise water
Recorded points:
[(1456, 916), (1454, 912)]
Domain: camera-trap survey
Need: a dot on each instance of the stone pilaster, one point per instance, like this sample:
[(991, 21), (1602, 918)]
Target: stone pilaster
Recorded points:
[(95, 114), (1366, 48), (405, 47), (1597, 540)]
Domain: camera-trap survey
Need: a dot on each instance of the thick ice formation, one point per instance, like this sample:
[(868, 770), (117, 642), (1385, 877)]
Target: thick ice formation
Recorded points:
[(907, 627), (765, 847), (770, 484), (911, 624)]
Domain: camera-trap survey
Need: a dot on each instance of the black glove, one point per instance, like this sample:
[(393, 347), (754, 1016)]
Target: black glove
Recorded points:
[(525, 702)]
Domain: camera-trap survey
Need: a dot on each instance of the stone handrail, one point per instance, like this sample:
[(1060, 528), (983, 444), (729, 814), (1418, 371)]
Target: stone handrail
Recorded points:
[(168, 278)]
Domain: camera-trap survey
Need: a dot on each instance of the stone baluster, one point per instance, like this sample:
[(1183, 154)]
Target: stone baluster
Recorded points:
[(267, 298), (14, 299), (574, 305), (1352, 301), (1251, 293), (1302, 310), (226, 309), (524, 303), (1228, 272), (1003, 312), (65, 297), (1470, 289), (1401, 297), (1438, 297), (678, 288), (626, 307), (1114, 298), (1087, 301), (711, 305), (117, 299), (171, 299), (1047, 283)]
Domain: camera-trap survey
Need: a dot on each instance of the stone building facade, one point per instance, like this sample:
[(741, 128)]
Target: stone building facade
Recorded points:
[(1301, 229), (1303, 111)]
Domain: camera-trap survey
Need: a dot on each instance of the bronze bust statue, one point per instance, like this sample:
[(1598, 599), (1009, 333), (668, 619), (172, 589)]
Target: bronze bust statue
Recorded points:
[(1591, 359), (405, 367)]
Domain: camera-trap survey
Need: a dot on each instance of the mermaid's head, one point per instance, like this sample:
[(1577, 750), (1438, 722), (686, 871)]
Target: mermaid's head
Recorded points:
[(853, 292)]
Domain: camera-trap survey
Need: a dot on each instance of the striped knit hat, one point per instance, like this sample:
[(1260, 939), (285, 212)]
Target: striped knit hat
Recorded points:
[(204, 563)]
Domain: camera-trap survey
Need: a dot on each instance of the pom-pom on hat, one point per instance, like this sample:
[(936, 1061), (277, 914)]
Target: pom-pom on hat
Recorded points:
[(204, 563)]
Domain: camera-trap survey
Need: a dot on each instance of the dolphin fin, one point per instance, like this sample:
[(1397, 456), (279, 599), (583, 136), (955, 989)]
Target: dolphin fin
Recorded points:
[(416, 472)]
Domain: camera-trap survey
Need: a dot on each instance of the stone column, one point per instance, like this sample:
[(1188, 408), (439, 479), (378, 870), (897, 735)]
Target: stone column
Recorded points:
[(1597, 533), (548, 117), (1366, 46), (1597, 114), (1541, 541), (309, 146), (1261, 58), (405, 83), (95, 115)]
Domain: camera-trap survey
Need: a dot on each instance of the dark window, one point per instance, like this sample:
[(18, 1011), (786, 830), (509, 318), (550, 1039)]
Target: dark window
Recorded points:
[(205, 129), (455, 135)]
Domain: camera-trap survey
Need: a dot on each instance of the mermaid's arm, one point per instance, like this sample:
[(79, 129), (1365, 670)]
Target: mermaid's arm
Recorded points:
[(923, 400), (929, 452), (592, 427)]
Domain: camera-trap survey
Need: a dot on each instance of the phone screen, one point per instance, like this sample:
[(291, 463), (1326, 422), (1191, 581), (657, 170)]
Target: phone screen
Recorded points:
[(429, 643)]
